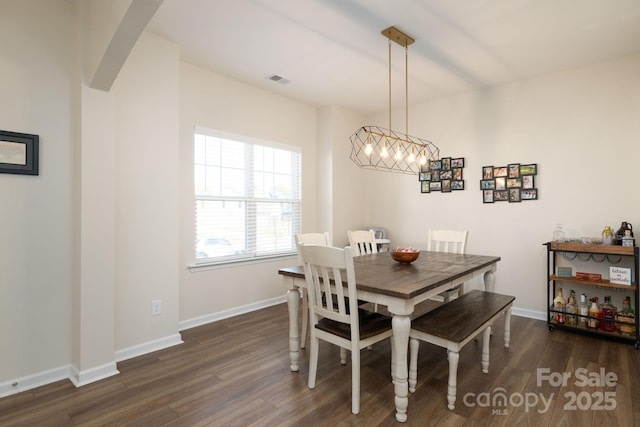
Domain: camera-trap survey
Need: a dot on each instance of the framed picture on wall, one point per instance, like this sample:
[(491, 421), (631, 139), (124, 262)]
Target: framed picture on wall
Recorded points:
[(514, 195), (487, 172), (19, 153)]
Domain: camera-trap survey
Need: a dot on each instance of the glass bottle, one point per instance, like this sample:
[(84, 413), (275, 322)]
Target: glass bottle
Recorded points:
[(607, 236), (627, 239), (627, 319), (571, 309), (558, 234), (559, 304), (628, 299), (608, 314), (593, 322), (583, 309)]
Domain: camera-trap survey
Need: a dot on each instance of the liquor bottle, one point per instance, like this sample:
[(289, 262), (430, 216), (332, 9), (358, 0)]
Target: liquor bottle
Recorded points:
[(628, 299), (626, 319), (607, 236), (559, 304), (571, 309), (583, 309), (593, 322), (608, 314)]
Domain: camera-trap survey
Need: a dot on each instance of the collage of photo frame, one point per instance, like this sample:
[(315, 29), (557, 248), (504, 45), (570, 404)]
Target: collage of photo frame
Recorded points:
[(444, 175), (512, 183)]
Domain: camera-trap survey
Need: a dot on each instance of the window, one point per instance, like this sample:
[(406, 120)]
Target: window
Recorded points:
[(248, 198)]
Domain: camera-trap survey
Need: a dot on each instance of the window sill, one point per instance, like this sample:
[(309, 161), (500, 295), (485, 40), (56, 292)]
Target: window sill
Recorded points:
[(228, 263)]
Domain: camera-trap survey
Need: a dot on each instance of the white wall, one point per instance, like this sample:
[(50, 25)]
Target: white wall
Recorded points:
[(216, 102), (36, 52), (580, 126)]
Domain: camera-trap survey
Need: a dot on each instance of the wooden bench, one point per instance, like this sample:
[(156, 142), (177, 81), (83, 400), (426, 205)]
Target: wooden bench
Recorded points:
[(453, 325)]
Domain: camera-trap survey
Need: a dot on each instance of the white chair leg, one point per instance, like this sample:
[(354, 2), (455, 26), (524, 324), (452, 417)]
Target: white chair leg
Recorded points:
[(305, 318), (414, 346), (486, 336), (343, 356), (355, 381), (453, 378), (313, 361)]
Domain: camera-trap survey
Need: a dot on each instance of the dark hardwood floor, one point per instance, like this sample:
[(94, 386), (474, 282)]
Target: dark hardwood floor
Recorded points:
[(235, 372)]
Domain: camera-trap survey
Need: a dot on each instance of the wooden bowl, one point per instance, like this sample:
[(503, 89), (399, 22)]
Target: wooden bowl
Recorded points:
[(405, 256)]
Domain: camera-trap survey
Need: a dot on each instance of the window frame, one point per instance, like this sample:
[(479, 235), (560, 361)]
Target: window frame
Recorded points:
[(251, 201)]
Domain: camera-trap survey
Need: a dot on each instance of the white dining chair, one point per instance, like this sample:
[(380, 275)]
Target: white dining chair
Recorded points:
[(342, 324), (309, 239), (362, 242), (452, 241)]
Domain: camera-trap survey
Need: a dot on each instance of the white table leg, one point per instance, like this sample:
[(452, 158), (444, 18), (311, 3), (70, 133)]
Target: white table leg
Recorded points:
[(293, 302), (489, 280), (401, 325), (507, 327)]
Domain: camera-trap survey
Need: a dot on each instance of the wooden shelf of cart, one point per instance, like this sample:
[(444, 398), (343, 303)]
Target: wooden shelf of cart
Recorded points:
[(553, 248)]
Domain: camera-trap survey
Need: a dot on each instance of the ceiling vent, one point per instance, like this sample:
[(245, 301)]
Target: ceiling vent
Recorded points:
[(278, 79)]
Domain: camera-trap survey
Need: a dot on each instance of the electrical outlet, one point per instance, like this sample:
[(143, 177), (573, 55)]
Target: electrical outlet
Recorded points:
[(156, 307)]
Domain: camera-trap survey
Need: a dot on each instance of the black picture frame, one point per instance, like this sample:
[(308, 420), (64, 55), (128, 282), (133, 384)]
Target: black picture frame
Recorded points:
[(515, 195), (457, 162), (445, 164), (501, 195), (19, 153), (487, 172), (529, 194), (501, 180), (444, 175), (457, 185), (514, 170)]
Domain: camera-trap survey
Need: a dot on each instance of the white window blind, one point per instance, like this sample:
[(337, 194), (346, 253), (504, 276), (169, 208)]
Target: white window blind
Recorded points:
[(248, 198)]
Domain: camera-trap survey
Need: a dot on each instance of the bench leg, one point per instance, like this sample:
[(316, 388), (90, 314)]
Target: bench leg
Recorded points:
[(486, 336), (507, 327), (453, 357), (414, 346)]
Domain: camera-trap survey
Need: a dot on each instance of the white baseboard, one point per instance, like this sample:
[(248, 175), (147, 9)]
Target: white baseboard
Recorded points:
[(203, 320), (148, 347), (28, 382), (531, 314), (80, 378)]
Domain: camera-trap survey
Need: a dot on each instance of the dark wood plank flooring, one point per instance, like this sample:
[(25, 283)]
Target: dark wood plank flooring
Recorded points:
[(235, 372)]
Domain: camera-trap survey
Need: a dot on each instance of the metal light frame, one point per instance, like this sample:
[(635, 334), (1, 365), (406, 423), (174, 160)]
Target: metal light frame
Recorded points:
[(373, 147)]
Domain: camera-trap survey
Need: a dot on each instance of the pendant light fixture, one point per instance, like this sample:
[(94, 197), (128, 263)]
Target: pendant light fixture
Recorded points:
[(373, 147)]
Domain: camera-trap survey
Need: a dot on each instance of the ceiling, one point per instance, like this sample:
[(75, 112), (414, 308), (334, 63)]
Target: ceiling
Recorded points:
[(332, 52)]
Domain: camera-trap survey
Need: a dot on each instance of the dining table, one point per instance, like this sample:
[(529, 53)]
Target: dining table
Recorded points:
[(400, 287)]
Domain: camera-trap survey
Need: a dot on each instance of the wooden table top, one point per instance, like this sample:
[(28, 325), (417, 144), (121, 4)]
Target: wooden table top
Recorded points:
[(379, 273)]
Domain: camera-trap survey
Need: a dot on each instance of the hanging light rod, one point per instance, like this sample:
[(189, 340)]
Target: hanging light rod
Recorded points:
[(376, 148)]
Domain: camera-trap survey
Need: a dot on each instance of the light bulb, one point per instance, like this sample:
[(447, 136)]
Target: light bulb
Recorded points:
[(398, 153), (412, 156), (368, 149), (423, 158), (384, 153)]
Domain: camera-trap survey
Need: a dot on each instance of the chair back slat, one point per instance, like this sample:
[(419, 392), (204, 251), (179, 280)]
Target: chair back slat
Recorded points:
[(362, 242), (452, 241)]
